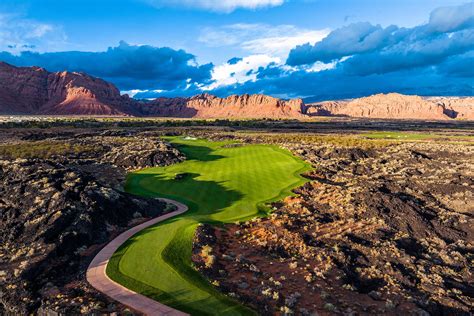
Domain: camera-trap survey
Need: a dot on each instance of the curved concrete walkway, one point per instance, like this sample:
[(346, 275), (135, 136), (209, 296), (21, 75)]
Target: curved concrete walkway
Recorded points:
[(97, 277)]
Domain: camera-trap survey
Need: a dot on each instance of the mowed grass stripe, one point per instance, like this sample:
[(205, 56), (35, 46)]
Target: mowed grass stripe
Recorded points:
[(223, 185)]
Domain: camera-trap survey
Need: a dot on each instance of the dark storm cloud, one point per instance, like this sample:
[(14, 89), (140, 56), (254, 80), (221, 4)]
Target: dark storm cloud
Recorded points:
[(451, 19), (128, 66), (411, 54), (459, 66), (373, 49), (353, 39)]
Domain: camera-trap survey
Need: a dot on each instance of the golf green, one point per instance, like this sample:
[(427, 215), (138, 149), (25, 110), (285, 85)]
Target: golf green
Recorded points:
[(220, 182)]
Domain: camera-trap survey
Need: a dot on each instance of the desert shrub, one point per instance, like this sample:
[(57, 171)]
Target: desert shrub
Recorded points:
[(206, 255), (319, 139), (44, 149)]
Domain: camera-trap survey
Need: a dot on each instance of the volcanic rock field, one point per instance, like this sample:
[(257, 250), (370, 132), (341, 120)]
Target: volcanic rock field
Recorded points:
[(383, 224)]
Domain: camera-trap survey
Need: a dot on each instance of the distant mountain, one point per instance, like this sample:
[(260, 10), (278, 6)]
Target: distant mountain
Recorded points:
[(397, 106), (235, 106), (35, 91)]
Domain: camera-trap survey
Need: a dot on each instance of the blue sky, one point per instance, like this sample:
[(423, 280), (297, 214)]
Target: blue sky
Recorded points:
[(317, 49)]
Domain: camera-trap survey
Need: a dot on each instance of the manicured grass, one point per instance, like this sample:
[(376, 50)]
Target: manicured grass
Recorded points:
[(220, 185)]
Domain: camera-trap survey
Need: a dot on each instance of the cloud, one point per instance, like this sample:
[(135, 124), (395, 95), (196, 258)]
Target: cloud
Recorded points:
[(128, 66), (133, 92), (374, 49), (234, 60), (451, 19), (225, 6), (423, 52), (260, 38), (239, 70), (458, 66), (450, 78), (281, 45), (335, 84), (435, 58), (355, 38), (18, 33)]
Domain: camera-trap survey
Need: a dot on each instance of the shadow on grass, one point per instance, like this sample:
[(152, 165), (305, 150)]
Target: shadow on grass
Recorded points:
[(211, 194), (195, 152)]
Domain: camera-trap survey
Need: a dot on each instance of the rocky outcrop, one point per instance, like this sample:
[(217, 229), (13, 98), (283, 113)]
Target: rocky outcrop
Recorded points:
[(397, 106), (80, 94), (143, 153), (457, 108), (34, 90), (23, 90), (234, 106)]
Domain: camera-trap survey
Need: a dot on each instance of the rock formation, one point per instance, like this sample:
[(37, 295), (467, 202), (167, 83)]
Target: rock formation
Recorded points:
[(34, 90), (234, 106), (458, 108), (397, 106)]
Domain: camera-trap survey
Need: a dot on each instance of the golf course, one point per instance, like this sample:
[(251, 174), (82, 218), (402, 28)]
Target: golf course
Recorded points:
[(220, 182)]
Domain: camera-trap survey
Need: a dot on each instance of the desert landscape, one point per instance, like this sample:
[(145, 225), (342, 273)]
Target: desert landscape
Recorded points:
[(236, 157), (380, 224)]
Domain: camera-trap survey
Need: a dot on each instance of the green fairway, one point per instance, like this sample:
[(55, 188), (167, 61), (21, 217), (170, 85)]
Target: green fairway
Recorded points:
[(221, 183)]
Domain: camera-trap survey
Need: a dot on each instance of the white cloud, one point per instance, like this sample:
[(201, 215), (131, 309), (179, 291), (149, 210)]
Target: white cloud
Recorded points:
[(19, 34), (319, 66), (133, 92), (266, 45), (280, 46), (261, 38), (225, 6), (241, 71)]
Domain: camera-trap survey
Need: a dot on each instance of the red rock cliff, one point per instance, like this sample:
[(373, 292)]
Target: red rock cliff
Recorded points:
[(33, 90), (235, 106)]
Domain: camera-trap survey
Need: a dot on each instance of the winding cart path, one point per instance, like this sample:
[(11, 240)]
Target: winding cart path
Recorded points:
[(97, 277)]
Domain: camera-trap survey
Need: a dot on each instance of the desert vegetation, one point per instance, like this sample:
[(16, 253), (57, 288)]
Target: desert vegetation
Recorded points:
[(381, 224), (45, 149)]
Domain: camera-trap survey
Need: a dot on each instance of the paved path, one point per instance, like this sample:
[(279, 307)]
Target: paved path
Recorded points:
[(97, 277)]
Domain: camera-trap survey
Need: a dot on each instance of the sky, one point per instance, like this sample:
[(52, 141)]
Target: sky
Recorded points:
[(313, 49)]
